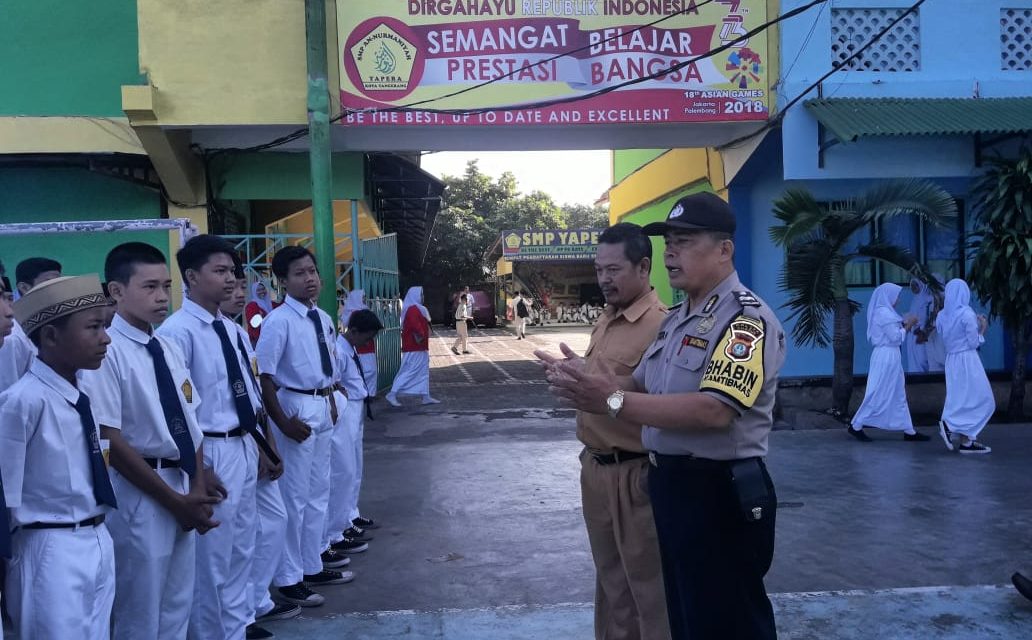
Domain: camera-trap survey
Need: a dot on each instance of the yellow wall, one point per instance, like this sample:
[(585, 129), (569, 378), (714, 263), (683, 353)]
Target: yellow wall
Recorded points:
[(230, 61), (301, 223), (669, 173)]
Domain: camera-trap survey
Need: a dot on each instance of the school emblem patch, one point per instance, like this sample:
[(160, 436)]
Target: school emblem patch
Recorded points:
[(187, 390), (742, 337)]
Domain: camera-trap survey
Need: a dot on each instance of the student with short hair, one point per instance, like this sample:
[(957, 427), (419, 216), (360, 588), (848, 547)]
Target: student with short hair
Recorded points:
[(145, 403), (33, 271), (61, 579), (17, 351), (6, 326), (297, 375), (271, 521), (229, 420)]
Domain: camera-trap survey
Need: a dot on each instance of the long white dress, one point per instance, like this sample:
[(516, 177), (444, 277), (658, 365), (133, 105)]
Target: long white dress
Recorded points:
[(970, 403), (885, 399), (920, 307)]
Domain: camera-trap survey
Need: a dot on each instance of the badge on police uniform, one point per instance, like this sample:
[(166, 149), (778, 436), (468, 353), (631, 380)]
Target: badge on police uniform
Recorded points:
[(187, 390), (735, 369), (705, 324)]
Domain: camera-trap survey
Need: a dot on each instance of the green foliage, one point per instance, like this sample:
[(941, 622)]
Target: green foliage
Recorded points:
[(476, 209), (1001, 267), (815, 234)]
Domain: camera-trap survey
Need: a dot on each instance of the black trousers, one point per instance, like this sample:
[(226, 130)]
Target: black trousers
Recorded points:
[(713, 560)]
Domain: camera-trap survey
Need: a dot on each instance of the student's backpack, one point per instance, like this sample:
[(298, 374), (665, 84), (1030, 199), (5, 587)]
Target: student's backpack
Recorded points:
[(521, 309)]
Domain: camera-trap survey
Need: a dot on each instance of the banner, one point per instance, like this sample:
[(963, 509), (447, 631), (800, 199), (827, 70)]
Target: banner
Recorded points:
[(417, 53), (550, 244)]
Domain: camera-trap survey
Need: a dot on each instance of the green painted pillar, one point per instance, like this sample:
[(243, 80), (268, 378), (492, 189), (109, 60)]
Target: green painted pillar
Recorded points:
[(319, 153)]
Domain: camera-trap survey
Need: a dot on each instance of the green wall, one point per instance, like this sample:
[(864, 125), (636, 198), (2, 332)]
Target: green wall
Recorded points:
[(627, 161), (656, 212), (69, 194), (67, 57), (284, 176)]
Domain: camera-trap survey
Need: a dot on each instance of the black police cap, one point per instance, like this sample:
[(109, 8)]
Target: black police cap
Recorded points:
[(699, 211)]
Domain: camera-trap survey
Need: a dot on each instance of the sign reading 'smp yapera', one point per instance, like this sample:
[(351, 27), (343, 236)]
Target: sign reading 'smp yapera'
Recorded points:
[(550, 244), (415, 53)]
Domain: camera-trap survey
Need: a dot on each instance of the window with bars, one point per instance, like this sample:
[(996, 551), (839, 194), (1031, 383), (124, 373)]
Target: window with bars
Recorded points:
[(898, 50), (1016, 39)]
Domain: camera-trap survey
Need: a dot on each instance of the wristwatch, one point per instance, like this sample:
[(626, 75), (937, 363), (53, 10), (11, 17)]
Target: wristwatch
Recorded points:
[(615, 402)]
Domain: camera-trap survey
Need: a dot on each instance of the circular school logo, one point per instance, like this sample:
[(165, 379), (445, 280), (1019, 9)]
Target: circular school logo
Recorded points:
[(382, 59)]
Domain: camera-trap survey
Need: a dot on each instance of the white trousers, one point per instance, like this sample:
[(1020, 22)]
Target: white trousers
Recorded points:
[(462, 335), (154, 563), (305, 486), (61, 583), (369, 371), (414, 374), (356, 425), (343, 471), (271, 525), (222, 599), (521, 326)]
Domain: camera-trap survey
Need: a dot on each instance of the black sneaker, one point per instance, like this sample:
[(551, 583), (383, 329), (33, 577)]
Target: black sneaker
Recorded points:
[(916, 437), (254, 632), (280, 612), (332, 559), (974, 447), (364, 523), (324, 578), (946, 435), (298, 594), (358, 534), (349, 545), (859, 435), (1022, 584)]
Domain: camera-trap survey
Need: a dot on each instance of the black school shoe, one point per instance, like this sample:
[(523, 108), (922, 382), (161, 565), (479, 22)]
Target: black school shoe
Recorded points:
[(1022, 584), (364, 523), (357, 534), (349, 545), (254, 632), (916, 437), (280, 612), (332, 559), (324, 578), (859, 435), (298, 594)]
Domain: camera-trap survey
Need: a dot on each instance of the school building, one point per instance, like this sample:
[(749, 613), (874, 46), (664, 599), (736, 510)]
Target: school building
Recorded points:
[(948, 86)]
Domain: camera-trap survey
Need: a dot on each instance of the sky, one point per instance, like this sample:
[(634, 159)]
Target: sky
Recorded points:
[(548, 171)]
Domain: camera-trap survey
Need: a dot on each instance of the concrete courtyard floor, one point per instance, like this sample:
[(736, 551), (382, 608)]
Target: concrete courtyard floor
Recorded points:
[(482, 535)]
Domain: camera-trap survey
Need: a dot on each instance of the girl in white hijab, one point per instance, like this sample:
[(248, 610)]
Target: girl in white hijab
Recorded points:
[(885, 399), (969, 397), (917, 340), (366, 353), (414, 374), (257, 308)]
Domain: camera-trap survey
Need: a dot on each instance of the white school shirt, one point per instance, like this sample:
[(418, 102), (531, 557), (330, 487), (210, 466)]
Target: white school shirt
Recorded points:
[(43, 452), (350, 376), (124, 392), (288, 351), (16, 354), (192, 329)]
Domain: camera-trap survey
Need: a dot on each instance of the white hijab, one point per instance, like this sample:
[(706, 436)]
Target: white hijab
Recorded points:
[(354, 302), (879, 309), (414, 298), (919, 305), (956, 305), (266, 302)]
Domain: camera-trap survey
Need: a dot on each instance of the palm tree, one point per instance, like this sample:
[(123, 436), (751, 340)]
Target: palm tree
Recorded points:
[(1002, 259), (817, 236)]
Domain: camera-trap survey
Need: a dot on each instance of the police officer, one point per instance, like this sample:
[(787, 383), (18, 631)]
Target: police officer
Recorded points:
[(705, 392)]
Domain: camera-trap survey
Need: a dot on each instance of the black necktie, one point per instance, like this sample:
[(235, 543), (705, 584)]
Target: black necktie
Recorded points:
[(102, 490), (175, 418), (5, 525), (237, 386), (320, 337)]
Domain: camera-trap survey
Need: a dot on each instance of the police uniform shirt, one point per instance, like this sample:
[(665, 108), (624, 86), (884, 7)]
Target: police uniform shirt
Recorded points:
[(15, 355), (287, 349), (124, 392), (43, 451), (192, 330), (350, 376), (730, 348)]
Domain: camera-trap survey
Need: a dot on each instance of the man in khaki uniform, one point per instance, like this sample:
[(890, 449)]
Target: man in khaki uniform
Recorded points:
[(629, 600), (705, 391)]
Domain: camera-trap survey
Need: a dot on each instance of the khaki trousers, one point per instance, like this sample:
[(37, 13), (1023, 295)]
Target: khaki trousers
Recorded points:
[(462, 331), (630, 603)]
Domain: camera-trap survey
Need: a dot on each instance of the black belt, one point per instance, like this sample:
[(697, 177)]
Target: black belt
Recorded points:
[(161, 463), (687, 461), (617, 457), (324, 392), (89, 522), (239, 432)]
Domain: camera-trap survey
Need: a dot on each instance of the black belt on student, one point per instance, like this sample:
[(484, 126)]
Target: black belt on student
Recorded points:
[(161, 463), (687, 461), (239, 432), (324, 392), (617, 457), (89, 522)]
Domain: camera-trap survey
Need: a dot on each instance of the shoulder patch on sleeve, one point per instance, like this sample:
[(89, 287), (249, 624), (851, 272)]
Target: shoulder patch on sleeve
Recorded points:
[(746, 299), (735, 369)]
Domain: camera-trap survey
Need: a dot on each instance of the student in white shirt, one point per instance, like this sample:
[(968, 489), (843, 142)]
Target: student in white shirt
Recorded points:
[(462, 314), (347, 459), (17, 352), (6, 326), (61, 580), (271, 521), (229, 420), (145, 403), (297, 375)]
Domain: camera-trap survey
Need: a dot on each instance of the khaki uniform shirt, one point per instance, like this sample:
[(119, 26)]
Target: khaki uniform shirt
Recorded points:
[(619, 338), (730, 348)]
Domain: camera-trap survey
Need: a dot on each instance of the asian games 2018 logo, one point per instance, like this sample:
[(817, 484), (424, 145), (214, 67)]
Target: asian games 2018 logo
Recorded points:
[(747, 66), (382, 59)]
